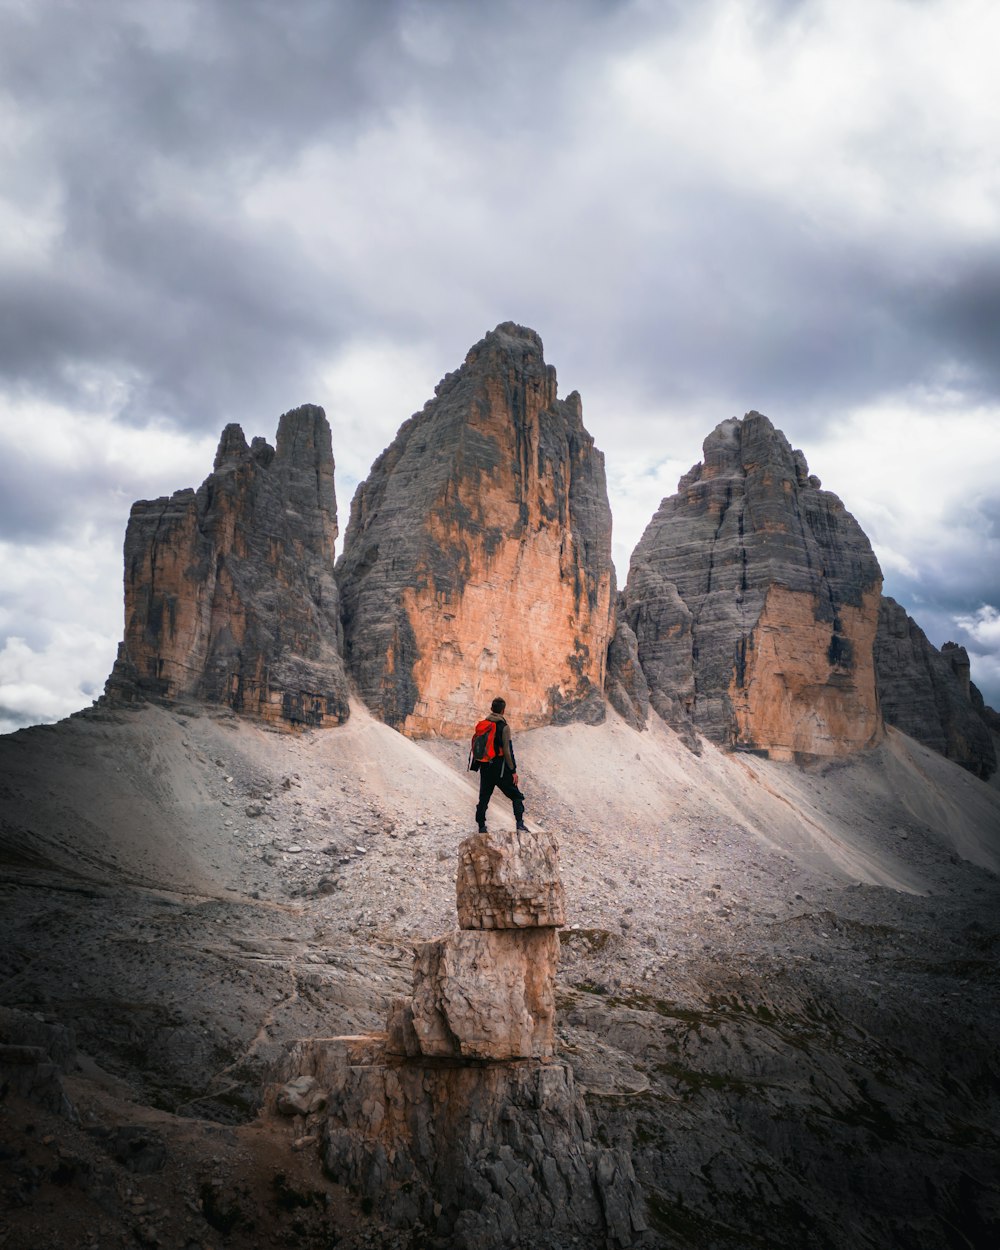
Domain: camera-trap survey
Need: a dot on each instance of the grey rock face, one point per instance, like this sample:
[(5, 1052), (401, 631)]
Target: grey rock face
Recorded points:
[(33, 1057), (479, 1154), (928, 693), (229, 590), (626, 686), (478, 554), (753, 597)]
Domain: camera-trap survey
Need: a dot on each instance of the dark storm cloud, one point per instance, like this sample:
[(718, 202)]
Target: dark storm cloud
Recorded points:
[(153, 128), (198, 309), (154, 122), (960, 311), (746, 305), (150, 125)]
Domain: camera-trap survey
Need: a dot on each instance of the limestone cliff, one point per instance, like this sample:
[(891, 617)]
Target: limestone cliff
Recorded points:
[(477, 559), (753, 596), (229, 590), (929, 694)]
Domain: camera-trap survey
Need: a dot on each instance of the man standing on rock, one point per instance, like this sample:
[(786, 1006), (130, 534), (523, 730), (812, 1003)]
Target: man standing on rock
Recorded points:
[(501, 771)]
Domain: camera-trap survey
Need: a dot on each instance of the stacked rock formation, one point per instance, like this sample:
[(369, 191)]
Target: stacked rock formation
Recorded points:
[(487, 990), (929, 694), (478, 553), (229, 590), (462, 1119), (753, 596)]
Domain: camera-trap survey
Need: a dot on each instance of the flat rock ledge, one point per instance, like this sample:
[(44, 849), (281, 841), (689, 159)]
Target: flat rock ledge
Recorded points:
[(459, 1118), (509, 881)]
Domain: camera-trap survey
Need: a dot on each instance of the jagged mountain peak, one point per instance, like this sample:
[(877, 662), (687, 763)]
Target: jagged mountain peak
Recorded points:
[(229, 590), (753, 595), (477, 559)]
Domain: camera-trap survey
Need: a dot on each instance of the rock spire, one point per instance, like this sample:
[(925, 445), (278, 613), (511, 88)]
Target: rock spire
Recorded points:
[(753, 596), (229, 590), (477, 559)]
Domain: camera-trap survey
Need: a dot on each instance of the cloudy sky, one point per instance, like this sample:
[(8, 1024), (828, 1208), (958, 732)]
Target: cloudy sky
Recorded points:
[(215, 210)]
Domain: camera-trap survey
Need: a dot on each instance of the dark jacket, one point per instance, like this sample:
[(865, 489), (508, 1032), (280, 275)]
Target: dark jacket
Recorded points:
[(506, 741)]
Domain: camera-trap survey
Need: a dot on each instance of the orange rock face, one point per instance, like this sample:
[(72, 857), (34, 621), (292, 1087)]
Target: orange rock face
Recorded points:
[(801, 692), (477, 560), (229, 590)]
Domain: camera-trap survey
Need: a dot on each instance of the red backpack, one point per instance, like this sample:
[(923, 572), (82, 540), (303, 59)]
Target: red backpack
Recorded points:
[(487, 743)]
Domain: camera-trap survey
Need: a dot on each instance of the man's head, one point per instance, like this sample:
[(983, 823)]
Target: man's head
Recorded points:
[(498, 705)]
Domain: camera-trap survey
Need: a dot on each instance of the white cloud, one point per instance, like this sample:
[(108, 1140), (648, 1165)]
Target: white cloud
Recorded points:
[(983, 625), (72, 634), (916, 471), (368, 389), (840, 108)]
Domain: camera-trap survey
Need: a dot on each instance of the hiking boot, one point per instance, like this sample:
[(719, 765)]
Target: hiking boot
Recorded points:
[(522, 827), (482, 828)]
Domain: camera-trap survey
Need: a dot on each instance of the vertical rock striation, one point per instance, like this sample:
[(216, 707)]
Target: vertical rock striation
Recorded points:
[(929, 694), (229, 590), (625, 682), (478, 554), (753, 596)]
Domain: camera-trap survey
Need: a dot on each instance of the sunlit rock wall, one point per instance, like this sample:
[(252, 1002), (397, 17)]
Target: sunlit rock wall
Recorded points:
[(477, 560)]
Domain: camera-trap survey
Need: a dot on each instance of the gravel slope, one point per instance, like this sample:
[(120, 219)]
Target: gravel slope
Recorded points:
[(769, 970)]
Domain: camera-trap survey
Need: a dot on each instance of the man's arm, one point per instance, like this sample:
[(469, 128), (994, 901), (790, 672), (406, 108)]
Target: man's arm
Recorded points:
[(508, 751)]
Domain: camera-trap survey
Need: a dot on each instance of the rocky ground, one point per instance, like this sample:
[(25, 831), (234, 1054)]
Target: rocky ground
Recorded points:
[(778, 985)]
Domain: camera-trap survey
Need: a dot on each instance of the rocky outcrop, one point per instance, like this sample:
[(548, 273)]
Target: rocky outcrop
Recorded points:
[(34, 1056), (485, 995), (929, 694), (480, 1155), (477, 559), (460, 1118), (753, 596), (509, 881), (229, 590), (487, 990)]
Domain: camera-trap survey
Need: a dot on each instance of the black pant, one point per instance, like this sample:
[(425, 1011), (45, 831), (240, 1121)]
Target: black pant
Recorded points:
[(491, 776)]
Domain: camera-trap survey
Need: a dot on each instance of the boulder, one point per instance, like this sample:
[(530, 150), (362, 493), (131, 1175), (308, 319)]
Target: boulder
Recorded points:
[(477, 559), (509, 881), (229, 590), (486, 995), (301, 1096)]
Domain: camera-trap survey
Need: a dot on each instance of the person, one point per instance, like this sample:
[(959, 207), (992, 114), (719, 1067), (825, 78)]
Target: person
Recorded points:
[(500, 772)]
